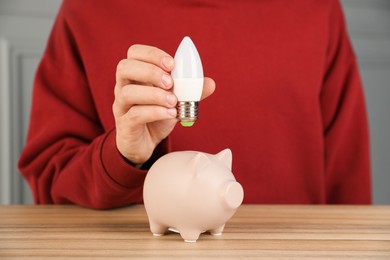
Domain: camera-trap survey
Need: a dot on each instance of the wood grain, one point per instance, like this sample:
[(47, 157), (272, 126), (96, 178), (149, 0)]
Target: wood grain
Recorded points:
[(255, 232)]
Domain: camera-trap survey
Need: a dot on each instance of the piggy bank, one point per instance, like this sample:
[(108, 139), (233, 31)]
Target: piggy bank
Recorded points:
[(191, 192)]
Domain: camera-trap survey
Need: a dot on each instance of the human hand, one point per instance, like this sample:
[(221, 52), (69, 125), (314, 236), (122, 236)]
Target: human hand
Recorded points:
[(144, 105)]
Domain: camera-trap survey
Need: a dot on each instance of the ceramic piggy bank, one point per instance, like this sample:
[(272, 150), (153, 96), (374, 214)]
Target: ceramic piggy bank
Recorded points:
[(191, 192)]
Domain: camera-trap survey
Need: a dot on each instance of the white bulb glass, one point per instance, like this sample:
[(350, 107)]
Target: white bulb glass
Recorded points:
[(188, 81)]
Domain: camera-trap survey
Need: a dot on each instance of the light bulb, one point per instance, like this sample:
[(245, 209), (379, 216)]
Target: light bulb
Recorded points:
[(188, 81)]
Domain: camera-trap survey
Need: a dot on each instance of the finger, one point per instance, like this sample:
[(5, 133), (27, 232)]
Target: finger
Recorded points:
[(208, 87), (130, 70), (150, 54), (143, 114), (131, 95)]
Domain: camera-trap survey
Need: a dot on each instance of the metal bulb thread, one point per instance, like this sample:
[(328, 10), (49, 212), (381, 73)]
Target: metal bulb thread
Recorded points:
[(187, 112)]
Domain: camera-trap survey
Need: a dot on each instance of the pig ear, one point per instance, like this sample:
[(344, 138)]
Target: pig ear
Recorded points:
[(199, 161), (225, 156)]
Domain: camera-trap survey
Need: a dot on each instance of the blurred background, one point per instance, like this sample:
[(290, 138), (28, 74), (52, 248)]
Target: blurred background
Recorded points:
[(26, 24)]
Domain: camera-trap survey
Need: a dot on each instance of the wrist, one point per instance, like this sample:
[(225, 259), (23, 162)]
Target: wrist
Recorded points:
[(135, 165)]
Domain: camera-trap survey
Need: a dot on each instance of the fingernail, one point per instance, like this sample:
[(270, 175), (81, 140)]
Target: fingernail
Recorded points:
[(172, 112), (166, 80), (171, 99), (167, 62)]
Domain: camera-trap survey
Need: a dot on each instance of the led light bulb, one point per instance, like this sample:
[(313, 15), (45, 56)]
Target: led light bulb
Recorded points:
[(188, 81)]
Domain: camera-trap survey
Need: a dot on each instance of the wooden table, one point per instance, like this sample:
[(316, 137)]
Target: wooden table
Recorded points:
[(255, 232)]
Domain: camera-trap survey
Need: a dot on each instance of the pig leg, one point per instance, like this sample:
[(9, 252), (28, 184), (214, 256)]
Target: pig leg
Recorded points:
[(217, 231), (190, 236), (157, 229)]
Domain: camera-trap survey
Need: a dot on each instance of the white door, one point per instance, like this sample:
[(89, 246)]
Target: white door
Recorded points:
[(24, 28)]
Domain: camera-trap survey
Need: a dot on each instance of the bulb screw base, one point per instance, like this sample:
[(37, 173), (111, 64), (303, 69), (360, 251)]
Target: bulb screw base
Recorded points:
[(187, 112)]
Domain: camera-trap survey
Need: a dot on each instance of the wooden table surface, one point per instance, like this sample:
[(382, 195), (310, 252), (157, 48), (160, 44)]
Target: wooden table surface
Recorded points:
[(255, 232)]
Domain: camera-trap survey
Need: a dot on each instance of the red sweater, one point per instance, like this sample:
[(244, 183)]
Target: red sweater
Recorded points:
[(288, 103)]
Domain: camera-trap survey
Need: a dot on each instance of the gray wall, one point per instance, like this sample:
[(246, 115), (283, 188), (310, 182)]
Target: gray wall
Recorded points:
[(369, 27), (25, 25)]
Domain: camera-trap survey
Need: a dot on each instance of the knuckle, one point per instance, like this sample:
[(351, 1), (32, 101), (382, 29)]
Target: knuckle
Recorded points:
[(118, 96), (114, 108), (123, 97), (153, 51), (134, 115), (117, 90), (132, 50), (121, 65), (120, 69)]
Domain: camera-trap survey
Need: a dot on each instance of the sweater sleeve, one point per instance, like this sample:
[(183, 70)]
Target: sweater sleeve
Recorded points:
[(347, 159), (69, 157)]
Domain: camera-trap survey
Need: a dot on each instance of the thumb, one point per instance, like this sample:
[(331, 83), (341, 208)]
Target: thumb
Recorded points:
[(208, 87)]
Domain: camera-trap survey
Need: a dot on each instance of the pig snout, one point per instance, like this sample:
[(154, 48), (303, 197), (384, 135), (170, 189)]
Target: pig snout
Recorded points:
[(233, 194)]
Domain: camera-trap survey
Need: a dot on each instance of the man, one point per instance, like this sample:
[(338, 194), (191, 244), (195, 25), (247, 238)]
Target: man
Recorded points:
[(289, 102)]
